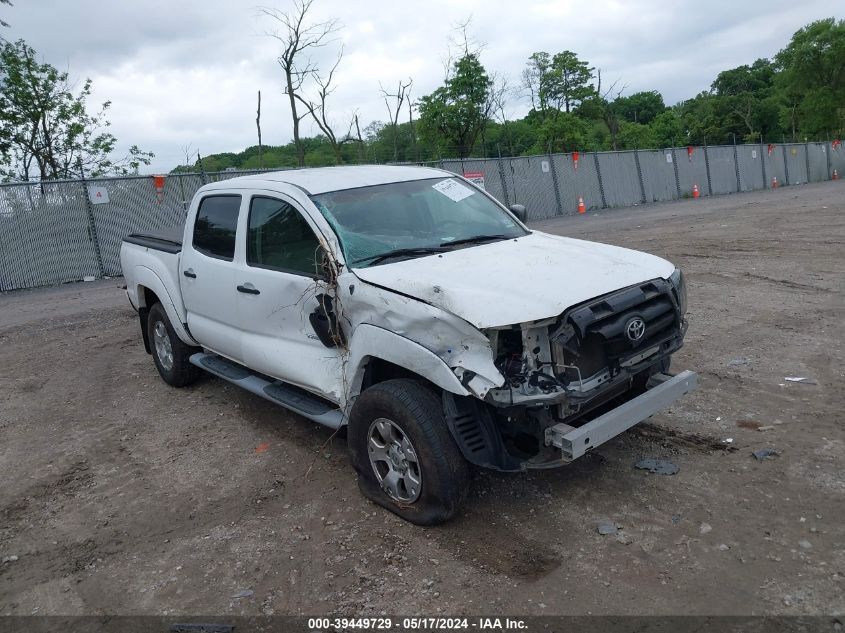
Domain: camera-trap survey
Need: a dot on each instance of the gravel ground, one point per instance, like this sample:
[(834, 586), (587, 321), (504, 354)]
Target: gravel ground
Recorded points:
[(123, 495)]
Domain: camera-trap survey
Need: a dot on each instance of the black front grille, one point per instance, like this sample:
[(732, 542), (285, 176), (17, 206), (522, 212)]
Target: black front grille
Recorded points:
[(593, 336)]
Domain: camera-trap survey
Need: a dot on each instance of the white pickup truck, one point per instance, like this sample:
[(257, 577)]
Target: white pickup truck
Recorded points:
[(411, 307)]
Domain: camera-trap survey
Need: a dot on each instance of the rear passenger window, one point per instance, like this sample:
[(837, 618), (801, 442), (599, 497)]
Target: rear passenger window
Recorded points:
[(280, 238), (216, 224)]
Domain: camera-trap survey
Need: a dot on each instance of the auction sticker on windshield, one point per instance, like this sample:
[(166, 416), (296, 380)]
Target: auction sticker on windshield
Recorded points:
[(453, 190)]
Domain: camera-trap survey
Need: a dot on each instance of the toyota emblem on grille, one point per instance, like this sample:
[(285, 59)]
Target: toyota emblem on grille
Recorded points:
[(634, 329)]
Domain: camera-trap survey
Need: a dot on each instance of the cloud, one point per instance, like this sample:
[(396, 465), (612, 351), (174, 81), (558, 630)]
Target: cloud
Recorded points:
[(187, 72)]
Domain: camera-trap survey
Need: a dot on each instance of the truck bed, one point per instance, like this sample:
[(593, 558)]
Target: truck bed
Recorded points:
[(168, 240), (151, 260)]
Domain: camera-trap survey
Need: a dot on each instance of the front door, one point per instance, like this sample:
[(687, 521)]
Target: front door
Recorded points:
[(282, 275), (207, 276)]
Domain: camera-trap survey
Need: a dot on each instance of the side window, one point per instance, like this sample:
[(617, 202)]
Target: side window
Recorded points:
[(215, 226), (280, 238)]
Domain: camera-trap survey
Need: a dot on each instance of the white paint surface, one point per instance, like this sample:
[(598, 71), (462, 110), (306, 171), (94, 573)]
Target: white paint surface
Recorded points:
[(325, 179), (515, 281)]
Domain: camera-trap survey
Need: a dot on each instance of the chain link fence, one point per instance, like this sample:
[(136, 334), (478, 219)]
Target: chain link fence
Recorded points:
[(59, 231)]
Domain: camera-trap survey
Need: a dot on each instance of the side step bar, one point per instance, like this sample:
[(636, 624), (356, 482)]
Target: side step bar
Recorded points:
[(297, 400), (574, 442)]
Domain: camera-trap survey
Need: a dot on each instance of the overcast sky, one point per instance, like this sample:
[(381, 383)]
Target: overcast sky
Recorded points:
[(187, 71)]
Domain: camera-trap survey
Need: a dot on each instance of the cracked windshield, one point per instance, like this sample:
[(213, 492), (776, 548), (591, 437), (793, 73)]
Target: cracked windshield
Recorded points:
[(402, 220)]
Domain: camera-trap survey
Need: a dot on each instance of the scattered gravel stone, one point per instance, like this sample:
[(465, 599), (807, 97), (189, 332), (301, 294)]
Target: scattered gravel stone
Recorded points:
[(805, 544), (657, 466), (606, 527), (705, 528), (742, 360), (765, 453)]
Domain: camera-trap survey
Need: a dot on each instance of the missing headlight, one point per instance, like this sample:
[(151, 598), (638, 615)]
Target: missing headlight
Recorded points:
[(680, 286)]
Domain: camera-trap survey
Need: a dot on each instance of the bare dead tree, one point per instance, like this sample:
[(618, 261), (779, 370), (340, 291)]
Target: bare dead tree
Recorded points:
[(357, 138), (317, 109), (463, 41), (461, 44), (258, 125), (498, 101), (412, 129), (188, 150), (495, 102), (608, 110), (298, 39), (393, 101)]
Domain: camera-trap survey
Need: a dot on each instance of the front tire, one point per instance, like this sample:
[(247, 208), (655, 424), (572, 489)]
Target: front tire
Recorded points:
[(404, 454), (170, 354)]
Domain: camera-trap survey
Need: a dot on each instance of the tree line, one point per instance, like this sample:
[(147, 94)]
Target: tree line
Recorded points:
[(797, 95), (47, 130)]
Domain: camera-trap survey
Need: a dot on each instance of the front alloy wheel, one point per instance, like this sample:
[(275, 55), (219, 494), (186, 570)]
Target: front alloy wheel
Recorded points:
[(404, 454), (394, 461)]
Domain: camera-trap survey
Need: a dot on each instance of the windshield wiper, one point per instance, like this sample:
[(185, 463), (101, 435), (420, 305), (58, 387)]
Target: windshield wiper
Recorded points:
[(476, 239), (401, 252)]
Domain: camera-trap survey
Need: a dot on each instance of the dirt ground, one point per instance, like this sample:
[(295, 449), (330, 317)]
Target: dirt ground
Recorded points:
[(122, 495)]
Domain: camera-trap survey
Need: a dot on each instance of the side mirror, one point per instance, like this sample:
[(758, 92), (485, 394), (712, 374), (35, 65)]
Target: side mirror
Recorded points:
[(519, 211)]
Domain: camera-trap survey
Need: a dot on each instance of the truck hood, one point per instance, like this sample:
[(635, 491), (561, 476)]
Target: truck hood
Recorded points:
[(515, 281)]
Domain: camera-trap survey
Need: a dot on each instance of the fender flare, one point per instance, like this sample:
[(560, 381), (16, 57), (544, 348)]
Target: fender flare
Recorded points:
[(147, 278), (370, 341)]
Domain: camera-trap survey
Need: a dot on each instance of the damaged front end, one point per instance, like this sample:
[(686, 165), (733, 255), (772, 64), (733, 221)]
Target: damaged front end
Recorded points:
[(563, 372)]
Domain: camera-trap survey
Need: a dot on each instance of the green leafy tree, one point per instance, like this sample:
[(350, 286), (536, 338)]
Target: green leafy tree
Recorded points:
[(746, 100), (811, 79), (458, 112), (557, 85), (564, 132), (640, 107), (514, 139), (46, 130), (573, 78), (667, 129), (634, 135)]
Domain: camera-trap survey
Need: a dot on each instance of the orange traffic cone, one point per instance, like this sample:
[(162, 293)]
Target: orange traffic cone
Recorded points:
[(835, 175), (582, 208), (695, 192), (774, 182)]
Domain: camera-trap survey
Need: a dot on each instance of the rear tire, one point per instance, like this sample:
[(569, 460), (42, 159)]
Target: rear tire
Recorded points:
[(404, 454), (170, 354)]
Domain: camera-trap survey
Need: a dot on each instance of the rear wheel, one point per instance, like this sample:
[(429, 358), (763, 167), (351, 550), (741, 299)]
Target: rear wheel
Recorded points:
[(170, 354), (406, 459)]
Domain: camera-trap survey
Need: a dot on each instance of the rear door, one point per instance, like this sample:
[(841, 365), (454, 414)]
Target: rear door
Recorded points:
[(207, 274), (282, 270)]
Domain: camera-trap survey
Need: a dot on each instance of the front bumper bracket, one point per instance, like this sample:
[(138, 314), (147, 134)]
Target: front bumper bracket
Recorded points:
[(574, 442)]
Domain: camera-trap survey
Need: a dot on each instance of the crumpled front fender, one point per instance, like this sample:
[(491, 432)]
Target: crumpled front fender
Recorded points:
[(458, 345)]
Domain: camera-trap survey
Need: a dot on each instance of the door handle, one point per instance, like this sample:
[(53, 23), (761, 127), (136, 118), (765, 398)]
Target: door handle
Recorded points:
[(190, 273), (249, 290)]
